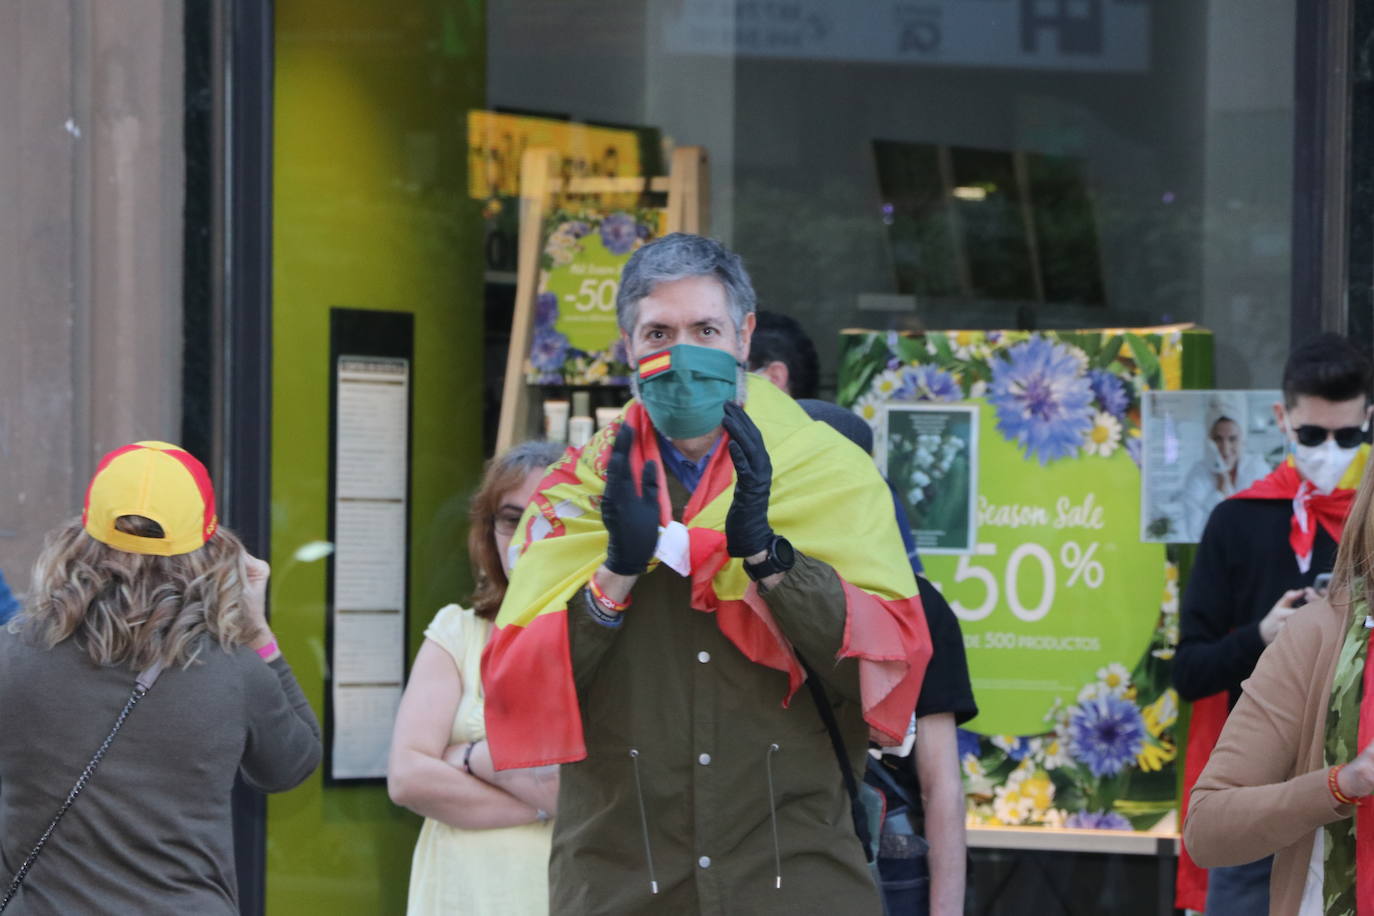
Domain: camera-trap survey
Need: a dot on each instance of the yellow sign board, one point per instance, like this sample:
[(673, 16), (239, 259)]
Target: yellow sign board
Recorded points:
[(496, 142)]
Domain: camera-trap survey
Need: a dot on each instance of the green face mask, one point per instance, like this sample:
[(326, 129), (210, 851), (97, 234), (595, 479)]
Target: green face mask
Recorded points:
[(685, 388)]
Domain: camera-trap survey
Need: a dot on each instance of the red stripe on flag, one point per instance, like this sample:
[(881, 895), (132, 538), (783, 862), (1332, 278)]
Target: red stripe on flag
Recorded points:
[(891, 640), (645, 449), (720, 474), (527, 677), (746, 622), (1206, 720)]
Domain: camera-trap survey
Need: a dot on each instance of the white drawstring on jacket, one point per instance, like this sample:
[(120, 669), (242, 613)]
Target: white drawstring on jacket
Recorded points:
[(773, 815), (644, 821)]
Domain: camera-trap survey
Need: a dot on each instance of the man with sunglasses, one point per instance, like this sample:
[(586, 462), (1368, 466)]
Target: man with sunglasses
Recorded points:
[(1259, 559)]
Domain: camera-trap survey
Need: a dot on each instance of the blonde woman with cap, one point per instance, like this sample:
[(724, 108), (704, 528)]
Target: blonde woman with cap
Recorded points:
[(1225, 468), (145, 626), (484, 846)]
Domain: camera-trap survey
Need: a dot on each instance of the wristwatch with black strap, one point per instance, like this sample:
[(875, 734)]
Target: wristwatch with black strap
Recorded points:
[(781, 557)]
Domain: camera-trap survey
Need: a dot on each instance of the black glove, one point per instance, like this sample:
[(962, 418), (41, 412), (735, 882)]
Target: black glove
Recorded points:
[(747, 531), (631, 519)]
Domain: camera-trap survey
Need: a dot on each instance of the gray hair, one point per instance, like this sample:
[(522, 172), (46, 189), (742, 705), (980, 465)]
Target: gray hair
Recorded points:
[(529, 456), (677, 257)]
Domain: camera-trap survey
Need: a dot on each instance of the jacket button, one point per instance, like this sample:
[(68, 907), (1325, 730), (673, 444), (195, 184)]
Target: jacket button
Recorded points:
[(704, 760), (704, 861), (703, 657)]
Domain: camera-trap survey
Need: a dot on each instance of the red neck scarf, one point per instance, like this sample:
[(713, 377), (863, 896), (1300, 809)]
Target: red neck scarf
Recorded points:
[(1311, 509)]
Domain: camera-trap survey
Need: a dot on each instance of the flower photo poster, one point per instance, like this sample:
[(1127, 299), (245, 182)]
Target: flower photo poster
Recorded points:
[(1069, 620), (929, 453), (576, 339)]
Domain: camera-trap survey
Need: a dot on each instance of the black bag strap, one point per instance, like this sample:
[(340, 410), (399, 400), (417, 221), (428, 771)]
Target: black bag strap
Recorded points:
[(145, 682), (856, 805), (879, 771)]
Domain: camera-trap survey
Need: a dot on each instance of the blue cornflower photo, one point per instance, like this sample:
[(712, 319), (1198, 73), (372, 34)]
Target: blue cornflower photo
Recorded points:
[(545, 311), (1097, 820), (549, 351), (928, 383), (968, 743), (1106, 733), (9, 606), (1043, 399), (618, 233), (1110, 392)]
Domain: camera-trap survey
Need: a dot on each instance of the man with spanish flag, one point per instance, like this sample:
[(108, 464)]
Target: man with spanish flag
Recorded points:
[(658, 626), (1257, 563)]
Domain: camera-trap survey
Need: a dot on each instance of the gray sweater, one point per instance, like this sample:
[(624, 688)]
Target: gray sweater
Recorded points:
[(152, 831)]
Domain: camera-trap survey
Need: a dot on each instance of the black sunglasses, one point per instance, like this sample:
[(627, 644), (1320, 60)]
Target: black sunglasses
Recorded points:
[(1346, 436)]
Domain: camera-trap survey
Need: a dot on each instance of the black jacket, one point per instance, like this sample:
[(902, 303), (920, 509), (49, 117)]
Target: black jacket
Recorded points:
[(1244, 565)]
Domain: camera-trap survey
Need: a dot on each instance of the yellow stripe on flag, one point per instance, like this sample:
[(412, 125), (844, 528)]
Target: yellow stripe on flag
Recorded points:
[(826, 496), (654, 364)]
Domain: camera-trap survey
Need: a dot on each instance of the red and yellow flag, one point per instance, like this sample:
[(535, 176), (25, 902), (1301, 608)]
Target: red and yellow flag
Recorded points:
[(656, 364), (827, 499)]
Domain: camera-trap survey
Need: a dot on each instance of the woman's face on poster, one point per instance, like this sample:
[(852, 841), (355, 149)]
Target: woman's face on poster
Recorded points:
[(1226, 435)]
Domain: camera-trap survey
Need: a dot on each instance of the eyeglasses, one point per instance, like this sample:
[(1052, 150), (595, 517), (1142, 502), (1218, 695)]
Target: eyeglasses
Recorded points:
[(1346, 436)]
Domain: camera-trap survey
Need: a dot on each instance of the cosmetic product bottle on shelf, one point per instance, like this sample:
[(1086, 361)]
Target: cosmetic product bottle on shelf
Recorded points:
[(556, 421)]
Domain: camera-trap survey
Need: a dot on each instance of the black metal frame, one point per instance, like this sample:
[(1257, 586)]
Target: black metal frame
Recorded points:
[(227, 304), (203, 213), (363, 332), (1360, 291), (1321, 167)]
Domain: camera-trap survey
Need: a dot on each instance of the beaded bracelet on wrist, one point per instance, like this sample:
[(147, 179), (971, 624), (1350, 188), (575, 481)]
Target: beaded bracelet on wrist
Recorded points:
[(1333, 783)]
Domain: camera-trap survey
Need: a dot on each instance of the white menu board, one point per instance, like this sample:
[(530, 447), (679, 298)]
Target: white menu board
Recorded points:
[(368, 619)]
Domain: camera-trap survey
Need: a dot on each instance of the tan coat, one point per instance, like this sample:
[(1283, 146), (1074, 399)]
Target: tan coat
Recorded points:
[(1264, 789)]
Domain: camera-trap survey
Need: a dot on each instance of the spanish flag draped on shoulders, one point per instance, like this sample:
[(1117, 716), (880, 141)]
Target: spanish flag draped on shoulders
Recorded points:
[(827, 499)]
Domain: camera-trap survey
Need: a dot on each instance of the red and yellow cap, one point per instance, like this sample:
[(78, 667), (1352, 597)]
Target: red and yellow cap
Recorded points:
[(158, 481)]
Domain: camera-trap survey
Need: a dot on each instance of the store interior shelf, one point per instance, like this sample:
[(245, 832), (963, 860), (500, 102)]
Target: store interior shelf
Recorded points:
[(1051, 839)]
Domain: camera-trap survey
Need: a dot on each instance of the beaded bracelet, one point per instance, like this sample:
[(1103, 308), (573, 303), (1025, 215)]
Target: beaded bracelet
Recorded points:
[(1332, 783)]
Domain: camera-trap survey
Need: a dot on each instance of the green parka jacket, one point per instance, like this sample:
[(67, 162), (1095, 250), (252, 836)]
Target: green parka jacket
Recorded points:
[(691, 755)]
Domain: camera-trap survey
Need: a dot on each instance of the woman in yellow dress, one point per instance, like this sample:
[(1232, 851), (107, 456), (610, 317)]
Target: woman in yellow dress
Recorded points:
[(484, 846)]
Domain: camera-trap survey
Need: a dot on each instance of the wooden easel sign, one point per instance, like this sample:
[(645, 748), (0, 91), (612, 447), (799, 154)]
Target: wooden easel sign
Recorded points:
[(575, 236)]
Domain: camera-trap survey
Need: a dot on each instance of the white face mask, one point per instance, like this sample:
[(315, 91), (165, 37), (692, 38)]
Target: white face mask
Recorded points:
[(1323, 465)]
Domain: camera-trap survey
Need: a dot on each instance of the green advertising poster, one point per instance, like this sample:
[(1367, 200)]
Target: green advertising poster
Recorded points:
[(1069, 620), (576, 338)]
